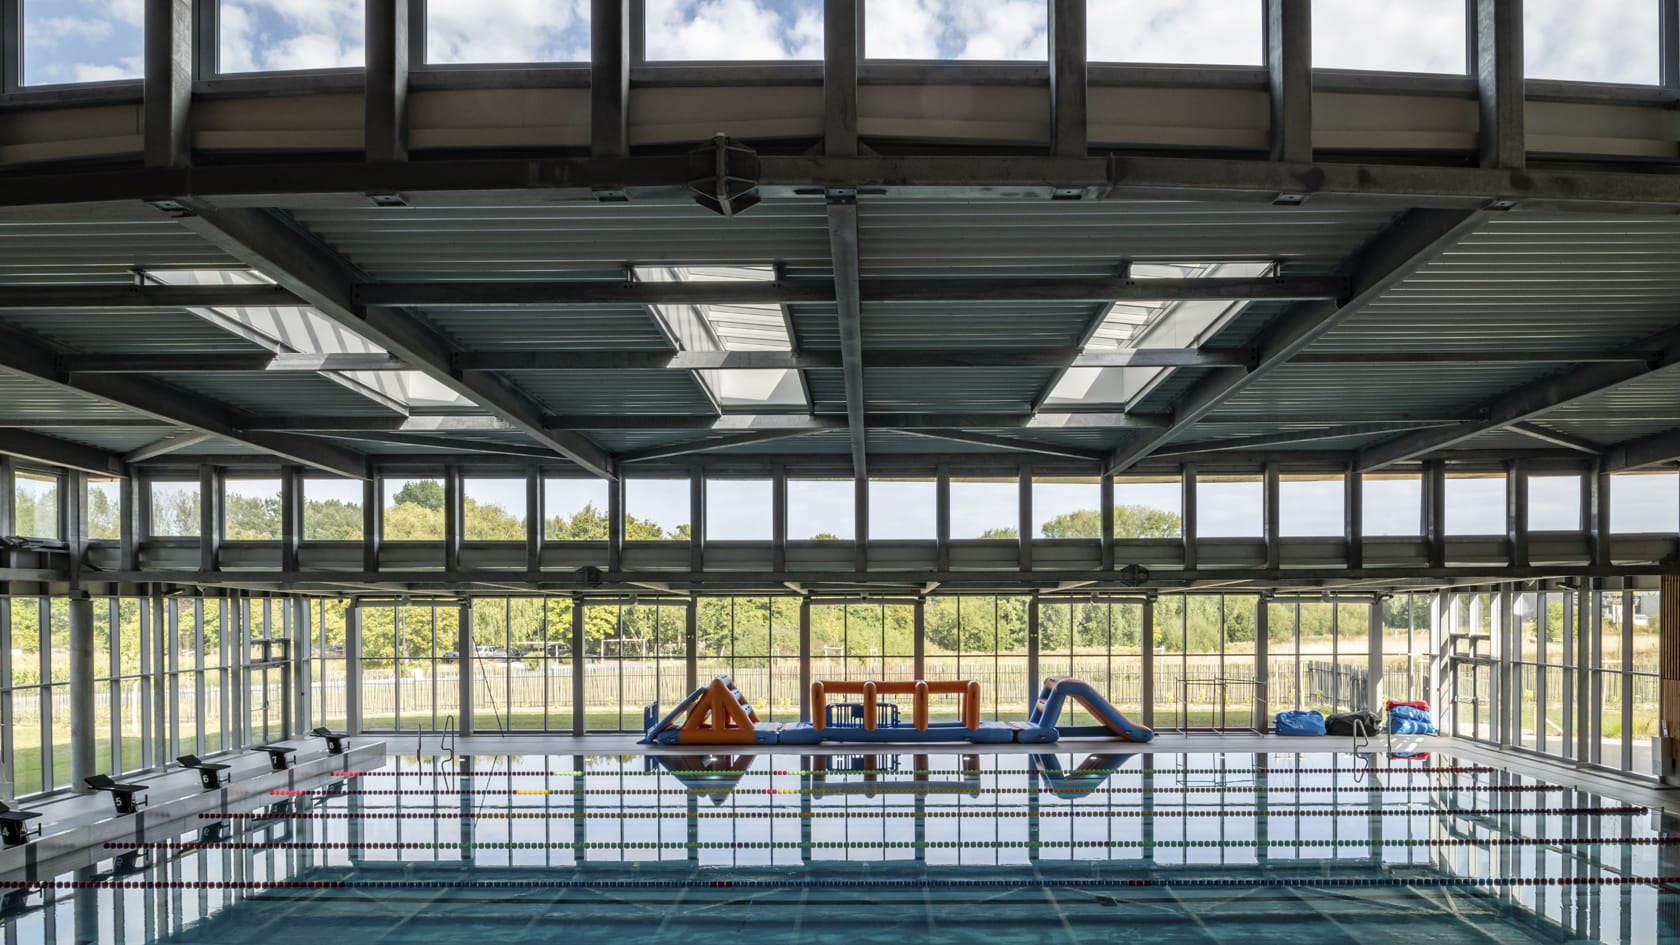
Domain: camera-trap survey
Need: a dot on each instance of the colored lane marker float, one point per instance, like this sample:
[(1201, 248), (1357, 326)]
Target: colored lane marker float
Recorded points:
[(878, 885), (442, 813), (618, 845), (801, 772), (891, 787)]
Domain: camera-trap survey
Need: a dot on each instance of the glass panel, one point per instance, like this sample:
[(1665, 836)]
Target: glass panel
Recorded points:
[(1228, 508), (460, 31), (1645, 503), (174, 509), (575, 509), (1592, 42), (1554, 503), (1066, 508), (36, 508), (741, 29), (904, 509), (104, 509), (81, 41), (822, 510), (989, 508), (251, 508), (738, 509), (276, 35), (1188, 32), (634, 656), (1310, 506), (1144, 509), (656, 509), (957, 29), (1391, 505), (332, 510), (1476, 504), (413, 509), (493, 509), (1417, 36)]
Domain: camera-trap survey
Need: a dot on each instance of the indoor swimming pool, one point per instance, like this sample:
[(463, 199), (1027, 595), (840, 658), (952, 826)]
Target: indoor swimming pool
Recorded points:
[(1053, 847)]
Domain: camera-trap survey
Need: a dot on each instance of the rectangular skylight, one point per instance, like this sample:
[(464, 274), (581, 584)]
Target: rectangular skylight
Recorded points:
[(1153, 325), (730, 328)]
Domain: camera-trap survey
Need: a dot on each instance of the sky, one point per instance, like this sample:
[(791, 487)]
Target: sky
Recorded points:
[(739, 510), (905, 509), (1588, 40)]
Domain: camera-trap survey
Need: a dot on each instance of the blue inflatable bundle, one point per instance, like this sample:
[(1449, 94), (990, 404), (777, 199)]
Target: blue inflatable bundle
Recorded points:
[(1298, 723), (1410, 720)]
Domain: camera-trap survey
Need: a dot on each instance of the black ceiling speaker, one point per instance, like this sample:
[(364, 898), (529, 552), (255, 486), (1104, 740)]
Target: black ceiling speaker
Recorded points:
[(724, 176)]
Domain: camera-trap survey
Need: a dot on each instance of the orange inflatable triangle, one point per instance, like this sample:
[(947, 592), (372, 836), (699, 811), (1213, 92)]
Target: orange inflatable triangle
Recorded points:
[(717, 718)]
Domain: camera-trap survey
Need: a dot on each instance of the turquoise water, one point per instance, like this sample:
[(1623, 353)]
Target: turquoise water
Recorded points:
[(1147, 848)]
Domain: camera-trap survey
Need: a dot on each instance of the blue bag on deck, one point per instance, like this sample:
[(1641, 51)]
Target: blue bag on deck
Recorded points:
[(1296, 722), (1407, 720)]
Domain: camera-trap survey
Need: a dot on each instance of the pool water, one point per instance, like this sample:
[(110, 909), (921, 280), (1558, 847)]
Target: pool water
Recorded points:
[(1047, 848)]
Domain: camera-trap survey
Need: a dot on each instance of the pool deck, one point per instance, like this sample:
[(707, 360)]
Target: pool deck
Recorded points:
[(72, 825)]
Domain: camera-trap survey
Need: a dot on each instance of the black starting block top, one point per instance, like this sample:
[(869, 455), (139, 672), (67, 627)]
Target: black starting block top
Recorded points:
[(277, 760), (335, 740), (12, 829), (121, 794), (192, 761)]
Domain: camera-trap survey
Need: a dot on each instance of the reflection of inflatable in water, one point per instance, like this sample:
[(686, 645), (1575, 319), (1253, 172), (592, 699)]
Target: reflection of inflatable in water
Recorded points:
[(718, 714), (715, 776), (1080, 781)]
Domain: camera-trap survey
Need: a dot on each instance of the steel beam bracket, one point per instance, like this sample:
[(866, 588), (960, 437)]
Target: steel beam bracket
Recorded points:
[(725, 176)]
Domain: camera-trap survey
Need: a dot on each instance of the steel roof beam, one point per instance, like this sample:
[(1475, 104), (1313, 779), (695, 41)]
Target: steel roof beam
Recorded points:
[(24, 356), (978, 175), (690, 447), (1010, 443), (1652, 450), (139, 297), (54, 451), (581, 360), (1531, 400), (165, 446), (274, 246), (1557, 439), (788, 291), (1283, 439), (843, 250), (1390, 257)]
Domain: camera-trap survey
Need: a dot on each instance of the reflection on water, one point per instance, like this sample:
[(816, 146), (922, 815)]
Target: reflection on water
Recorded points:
[(1034, 848)]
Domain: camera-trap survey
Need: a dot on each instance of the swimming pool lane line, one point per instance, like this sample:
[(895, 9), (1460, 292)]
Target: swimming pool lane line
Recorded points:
[(442, 813), (830, 772), (625, 845), (876, 885), (900, 787)]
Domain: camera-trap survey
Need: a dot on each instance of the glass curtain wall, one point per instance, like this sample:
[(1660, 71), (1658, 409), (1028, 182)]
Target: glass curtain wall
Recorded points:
[(754, 641), (633, 655), (522, 664), (410, 667), (1206, 672), (983, 638), (1099, 642)]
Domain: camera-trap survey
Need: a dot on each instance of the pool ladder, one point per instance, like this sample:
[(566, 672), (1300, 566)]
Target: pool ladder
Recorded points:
[(446, 737)]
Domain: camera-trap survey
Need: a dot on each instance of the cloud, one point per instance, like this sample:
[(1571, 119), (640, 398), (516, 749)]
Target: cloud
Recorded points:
[(507, 31), (734, 29), (957, 29), (128, 68), (52, 30), (1591, 42), (270, 35)]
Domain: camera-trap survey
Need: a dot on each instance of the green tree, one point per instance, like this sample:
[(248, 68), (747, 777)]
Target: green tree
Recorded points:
[(1130, 521), (426, 493), (1000, 534), (332, 520)]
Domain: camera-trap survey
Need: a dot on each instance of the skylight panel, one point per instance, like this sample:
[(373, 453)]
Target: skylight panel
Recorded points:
[(731, 328), (1153, 325)]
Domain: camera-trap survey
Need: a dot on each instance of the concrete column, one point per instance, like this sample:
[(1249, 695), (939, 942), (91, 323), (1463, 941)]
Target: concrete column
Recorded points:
[(580, 665), (1375, 691), (82, 757), (464, 668), (1146, 641), (1668, 623), (805, 659), (353, 670), (1032, 651)]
